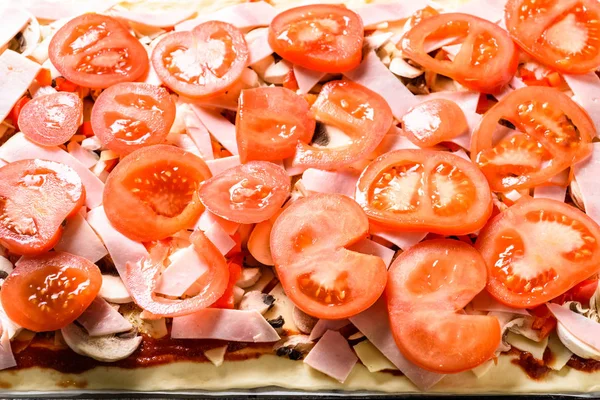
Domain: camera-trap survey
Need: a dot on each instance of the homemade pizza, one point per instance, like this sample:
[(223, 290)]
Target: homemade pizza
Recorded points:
[(370, 196)]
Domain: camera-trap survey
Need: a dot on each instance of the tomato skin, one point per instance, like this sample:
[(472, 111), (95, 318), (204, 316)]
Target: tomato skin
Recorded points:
[(491, 69), (227, 300), (27, 305), (329, 51), (434, 121), (16, 110), (94, 64), (582, 292)]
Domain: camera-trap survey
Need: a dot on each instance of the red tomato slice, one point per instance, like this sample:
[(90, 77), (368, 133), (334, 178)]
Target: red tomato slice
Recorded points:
[(434, 121), (270, 122), (201, 63), (321, 37), (538, 249), (97, 51), (152, 193), (16, 110), (556, 134), (425, 190), (35, 198), (563, 35), (228, 298), (487, 60), (128, 116), (428, 286), (318, 273), (248, 193), (48, 292), (363, 115), (52, 119)]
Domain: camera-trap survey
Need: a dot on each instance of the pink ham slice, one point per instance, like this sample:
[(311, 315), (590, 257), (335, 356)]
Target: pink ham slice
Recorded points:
[(324, 325), (219, 127), (219, 165), (376, 14), (151, 77), (162, 19), (259, 47), (244, 16), (7, 359), (16, 74), (514, 84), (484, 302), (341, 182), (80, 239), (374, 75), (19, 148), (306, 78), (101, 319), (57, 9), (199, 134), (14, 19), (586, 175), (222, 324), (395, 141), (374, 324), (332, 356), (586, 89), (491, 10), (217, 235), (404, 240), (208, 219), (186, 268), (367, 246), (584, 329), (550, 192), (87, 158)]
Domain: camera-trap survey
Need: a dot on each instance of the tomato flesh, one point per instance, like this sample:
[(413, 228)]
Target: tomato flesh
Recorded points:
[(434, 121)]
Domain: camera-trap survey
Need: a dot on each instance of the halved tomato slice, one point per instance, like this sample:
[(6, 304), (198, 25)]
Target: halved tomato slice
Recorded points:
[(201, 63), (153, 192), (52, 119), (36, 196), (530, 136), (97, 51), (361, 115), (48, 292), (319, 274), (321, 37), (426, 191), (248, 193), (270, 122), (564, 35), (128, 116), (428, 286), (538, 249), (434, 121), (487, 60)]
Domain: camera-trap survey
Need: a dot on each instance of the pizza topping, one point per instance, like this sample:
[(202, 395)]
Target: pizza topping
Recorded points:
[(320, 181), (7, 359), (220, 127), (79, 238), (113, 290), (484, 302), (243, 16), (17, 72), (578, 333), (162, 19), (332, 356), (186, 266), (586, 195), (101, 319), (327, 325), (255, 300)]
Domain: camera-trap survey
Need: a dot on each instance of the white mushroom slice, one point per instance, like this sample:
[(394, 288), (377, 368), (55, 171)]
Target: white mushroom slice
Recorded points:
[(238, 294), (294, 347), (303, 321), (282, 311), (113, 290), (276, 73), (267, 276), (108, 348), (575, 345), (576, 194), (257, 301), (6, 267), (261, 66), (31, 37), (156, 328), (402, 68), (249, 277)]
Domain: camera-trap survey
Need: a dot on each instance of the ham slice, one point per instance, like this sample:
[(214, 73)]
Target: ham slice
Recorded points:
[(186, 268), (16, 74), (584, 329), (484, 302), (121, 249), (395, 141), (306, 78), (19, 148), (221, 164), (514, 84), (341, 182), (586, 175), (223, 324), (374, 75), (550, 192), (324, 325), (243, 16), (80, 239), (491, 10), (7, 359), (217, 235), (87, 158), (9, 328), (101, 319), (376, 14), (332, 356), (374, 324), (150, 77), (208, 219), (162, 19), (259, 47), (219, 127), (586, 89), (57, 9), (367, 246), (199, 134), (14, 19), (404, 240)]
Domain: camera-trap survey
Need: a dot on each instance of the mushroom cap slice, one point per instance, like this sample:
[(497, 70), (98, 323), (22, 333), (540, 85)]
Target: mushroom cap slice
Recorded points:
[(107, 348)]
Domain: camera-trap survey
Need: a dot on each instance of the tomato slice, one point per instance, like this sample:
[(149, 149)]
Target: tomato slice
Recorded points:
[(16, 110), (228, 298), (321, 37), (434, 121), (52, 119), (361, 114), (487, 60), (428, 286), (426, 191), (97, 51), (49, 291), (318, 273), (204, 62), (128, 116), (564, 35), (35, 198), (152, 193), (551, 133), (538, 249), (248, 193), (270, 122)]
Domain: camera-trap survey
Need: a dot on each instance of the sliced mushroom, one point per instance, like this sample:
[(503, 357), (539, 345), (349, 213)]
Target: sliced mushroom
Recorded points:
[(277, 72), (6, 267), (303, 321), (113, 290), (249, 277), (238, 294), (257, 301), (108, 348), (295, 347), (155, 328)]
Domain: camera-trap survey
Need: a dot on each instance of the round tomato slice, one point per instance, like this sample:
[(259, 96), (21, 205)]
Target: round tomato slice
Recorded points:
[(564, 35), (48, 292), (153, 192), (52, 119), (362, 116), (487, 59), (204, 62), (321, 37), (319, 274), (270, 122), (248, 193), (97, 51), (128, 116), (426, 191), (530, 136), (36, 196), (434, 121), (428, 286), (538, 249)]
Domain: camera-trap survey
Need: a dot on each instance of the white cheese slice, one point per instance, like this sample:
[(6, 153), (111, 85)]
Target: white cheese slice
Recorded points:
[(522, 343), (372, 358), (216, 355), (560, 354)]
